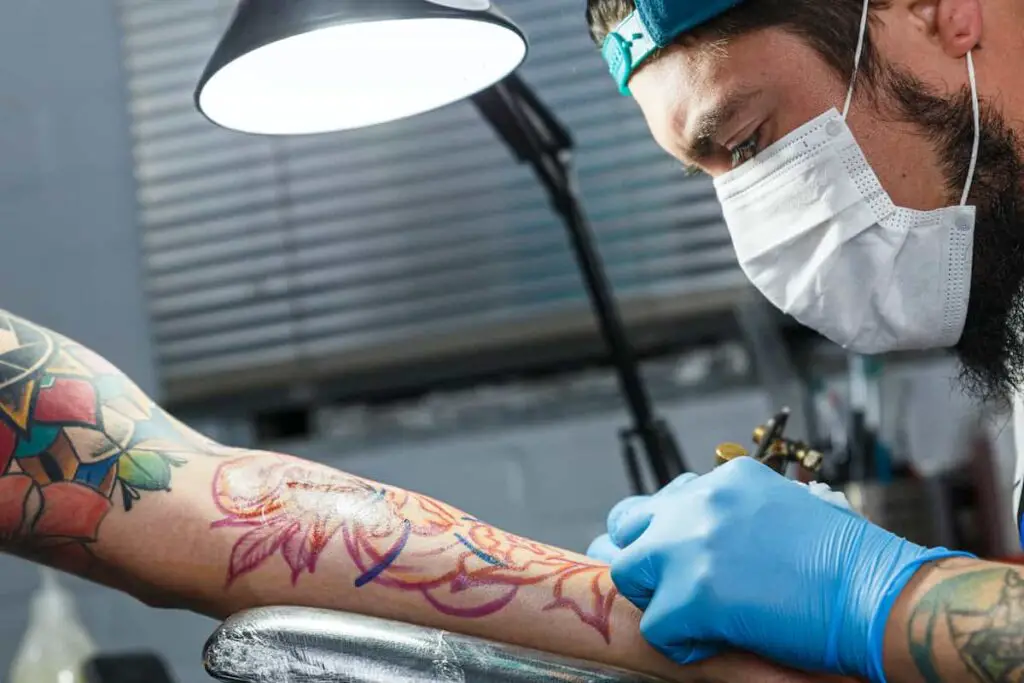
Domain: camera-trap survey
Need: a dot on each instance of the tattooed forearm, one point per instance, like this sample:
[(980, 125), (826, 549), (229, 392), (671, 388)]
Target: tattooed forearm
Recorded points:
[(77, 439), (978, 614), (398, 540)]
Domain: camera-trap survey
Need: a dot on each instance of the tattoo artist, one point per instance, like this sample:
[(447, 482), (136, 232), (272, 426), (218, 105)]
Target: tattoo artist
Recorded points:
[(867, 155)]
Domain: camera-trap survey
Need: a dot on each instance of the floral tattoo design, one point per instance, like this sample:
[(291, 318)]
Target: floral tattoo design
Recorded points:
[(295, 510)]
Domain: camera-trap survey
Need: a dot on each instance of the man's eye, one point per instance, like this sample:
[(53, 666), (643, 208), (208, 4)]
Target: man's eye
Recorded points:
[(745, 151)]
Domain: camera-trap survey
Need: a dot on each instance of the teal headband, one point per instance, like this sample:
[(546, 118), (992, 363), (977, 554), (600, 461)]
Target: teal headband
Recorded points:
[(654, 24)]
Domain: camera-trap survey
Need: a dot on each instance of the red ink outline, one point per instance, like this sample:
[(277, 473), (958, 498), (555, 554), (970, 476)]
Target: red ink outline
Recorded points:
[(294, 509)]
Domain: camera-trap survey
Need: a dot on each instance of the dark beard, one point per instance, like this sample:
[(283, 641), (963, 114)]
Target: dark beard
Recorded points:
[(991, 348)]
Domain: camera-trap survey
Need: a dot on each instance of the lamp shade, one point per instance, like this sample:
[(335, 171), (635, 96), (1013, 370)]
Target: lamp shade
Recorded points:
[(292, 67)]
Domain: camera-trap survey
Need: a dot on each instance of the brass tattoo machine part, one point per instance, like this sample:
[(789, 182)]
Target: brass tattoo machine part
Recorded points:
[(773, 449)]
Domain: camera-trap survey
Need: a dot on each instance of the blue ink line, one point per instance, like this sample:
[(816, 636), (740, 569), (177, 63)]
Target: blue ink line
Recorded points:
[(375, 571), (480, 553), (467, 518)]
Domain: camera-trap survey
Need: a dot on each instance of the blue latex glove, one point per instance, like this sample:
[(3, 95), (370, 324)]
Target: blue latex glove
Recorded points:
[(747, 558), (603, 549)]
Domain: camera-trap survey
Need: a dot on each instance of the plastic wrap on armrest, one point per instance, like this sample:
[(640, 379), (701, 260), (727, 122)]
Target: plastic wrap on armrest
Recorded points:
[(303, 645)]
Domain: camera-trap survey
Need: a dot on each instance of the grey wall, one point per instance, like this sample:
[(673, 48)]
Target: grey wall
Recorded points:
[(68, 253)]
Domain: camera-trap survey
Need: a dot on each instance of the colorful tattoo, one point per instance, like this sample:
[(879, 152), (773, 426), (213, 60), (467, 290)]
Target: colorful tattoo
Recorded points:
[(76, 439), (982, 612), (396, 539)]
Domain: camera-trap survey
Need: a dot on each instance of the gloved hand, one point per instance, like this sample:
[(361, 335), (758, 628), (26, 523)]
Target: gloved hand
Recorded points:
[(604, 549), (746, 558)]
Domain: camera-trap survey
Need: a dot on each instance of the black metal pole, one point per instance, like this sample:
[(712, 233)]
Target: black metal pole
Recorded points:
[(536, 137), (665, 465)]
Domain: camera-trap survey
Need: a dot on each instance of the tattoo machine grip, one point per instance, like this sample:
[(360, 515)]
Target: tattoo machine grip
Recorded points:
[(773, 448)]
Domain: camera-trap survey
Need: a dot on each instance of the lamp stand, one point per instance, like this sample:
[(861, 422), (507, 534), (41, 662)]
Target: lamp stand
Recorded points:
[(536, 137)]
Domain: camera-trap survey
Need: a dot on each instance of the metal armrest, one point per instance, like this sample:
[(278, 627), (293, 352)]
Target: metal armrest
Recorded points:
[(303, 645)]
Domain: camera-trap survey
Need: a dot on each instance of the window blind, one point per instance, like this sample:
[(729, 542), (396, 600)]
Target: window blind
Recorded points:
[(268, 259)]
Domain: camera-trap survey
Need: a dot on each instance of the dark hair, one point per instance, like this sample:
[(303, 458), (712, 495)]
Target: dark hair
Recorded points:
[(828, 26)]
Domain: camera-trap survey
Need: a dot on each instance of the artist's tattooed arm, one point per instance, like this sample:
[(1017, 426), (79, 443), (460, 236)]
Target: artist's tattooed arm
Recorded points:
[(98, 480), (959, 621)]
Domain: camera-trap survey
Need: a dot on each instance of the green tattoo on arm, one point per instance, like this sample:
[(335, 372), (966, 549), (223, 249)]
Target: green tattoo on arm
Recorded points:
[(981, 613)]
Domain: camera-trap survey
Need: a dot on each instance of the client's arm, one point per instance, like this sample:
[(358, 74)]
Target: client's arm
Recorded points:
[(98, 480)]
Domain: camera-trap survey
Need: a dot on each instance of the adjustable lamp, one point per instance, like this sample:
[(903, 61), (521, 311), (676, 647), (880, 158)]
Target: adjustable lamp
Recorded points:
[(292, 67), (289, 67)]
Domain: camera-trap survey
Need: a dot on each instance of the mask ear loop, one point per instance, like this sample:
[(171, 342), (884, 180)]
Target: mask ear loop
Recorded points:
[(856, 57), (974, 98), (977, 129)]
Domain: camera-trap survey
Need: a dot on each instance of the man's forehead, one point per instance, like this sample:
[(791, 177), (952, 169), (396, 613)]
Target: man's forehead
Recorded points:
[(694, 88), (691, 84), (678, 77)]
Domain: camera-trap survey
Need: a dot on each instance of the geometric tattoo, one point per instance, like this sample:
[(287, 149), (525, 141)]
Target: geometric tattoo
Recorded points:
[(987, 634), (76, 438), (394, 538)]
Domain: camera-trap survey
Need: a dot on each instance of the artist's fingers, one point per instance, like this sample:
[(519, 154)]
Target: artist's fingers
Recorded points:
[(634, 574), (623, 507), (628, 522), (681, 480), (630, 518), (603, 549)]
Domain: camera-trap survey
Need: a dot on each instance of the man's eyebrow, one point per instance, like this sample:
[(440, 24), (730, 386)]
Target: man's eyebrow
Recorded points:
[(707, 126)]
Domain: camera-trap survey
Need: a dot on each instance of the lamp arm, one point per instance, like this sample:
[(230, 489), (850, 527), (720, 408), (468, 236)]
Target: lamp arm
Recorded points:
[(535, 136)]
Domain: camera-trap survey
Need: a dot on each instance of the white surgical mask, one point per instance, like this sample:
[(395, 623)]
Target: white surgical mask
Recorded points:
[(817, 234)]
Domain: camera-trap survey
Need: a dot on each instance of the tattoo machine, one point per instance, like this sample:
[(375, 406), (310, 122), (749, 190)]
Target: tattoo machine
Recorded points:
[(773, 449)]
